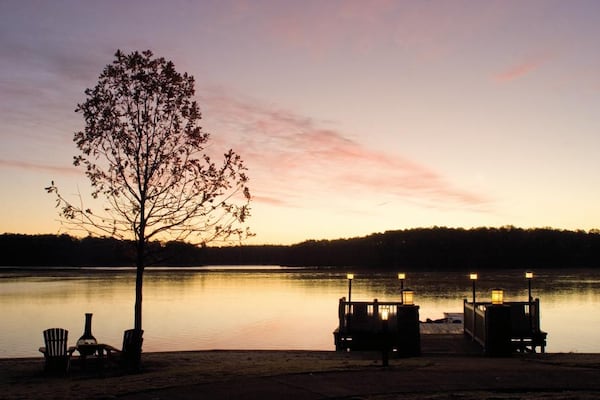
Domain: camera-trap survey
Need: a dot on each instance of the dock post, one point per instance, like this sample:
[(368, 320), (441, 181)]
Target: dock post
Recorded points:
[(408, 339), (497, 330), (385, 342)]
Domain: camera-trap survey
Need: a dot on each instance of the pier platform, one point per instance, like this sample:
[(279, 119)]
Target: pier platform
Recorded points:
[(433, 344)]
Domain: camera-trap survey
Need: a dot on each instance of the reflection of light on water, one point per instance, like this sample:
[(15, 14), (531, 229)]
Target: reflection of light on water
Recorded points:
[(267, 308)]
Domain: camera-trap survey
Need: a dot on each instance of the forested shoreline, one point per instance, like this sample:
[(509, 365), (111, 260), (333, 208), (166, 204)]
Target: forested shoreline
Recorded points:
[(437, 248)]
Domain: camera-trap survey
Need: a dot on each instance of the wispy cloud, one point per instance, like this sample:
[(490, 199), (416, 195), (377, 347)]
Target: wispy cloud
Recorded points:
[(293, 156), (24, 165), (427, 30), (269, 200), (520, 69), (318, 26)]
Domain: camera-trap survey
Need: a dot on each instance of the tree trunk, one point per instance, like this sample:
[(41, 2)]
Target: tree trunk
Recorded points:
[(139, 281), (136, 353)]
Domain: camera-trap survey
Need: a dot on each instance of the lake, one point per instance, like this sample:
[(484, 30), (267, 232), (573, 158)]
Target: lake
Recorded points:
[(266, 307)]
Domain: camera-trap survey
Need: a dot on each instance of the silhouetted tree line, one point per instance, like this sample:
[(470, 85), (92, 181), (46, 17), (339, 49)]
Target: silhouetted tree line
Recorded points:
[(435, 248)]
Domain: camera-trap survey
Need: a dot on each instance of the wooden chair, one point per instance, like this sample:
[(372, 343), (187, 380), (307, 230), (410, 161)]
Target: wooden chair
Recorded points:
[(56, 353), (131, 352)]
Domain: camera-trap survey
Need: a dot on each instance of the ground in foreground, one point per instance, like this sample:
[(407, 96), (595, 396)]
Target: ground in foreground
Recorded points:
[(438, 374)]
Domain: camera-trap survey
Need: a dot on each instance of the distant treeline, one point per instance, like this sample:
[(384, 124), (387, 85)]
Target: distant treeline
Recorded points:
[(435, 248)]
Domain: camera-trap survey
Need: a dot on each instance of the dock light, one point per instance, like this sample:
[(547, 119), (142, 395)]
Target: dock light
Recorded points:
[(385, 314), (497, 296), (529, 277), (408, 297), (385, 342), (350, 277), (473, 278), (402, 277)]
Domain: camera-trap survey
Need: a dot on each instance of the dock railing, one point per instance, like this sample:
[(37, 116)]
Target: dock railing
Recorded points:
[(518, 325), (474, 321), (361, 326)]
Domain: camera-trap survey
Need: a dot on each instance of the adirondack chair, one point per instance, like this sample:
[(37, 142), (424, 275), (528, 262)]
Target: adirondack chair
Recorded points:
[(56, 353), (130, 354)]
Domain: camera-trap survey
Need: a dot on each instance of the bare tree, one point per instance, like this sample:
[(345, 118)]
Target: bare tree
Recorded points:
[(146, 156)]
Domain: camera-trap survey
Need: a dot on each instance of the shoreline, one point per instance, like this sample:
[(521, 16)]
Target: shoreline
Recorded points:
[(265, 374)]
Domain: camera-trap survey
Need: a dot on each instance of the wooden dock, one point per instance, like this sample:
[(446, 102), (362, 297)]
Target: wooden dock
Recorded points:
[(516, 324), (374, 325), (483, 328)]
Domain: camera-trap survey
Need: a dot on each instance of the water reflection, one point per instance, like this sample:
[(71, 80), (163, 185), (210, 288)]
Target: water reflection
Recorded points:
[(274, 308)]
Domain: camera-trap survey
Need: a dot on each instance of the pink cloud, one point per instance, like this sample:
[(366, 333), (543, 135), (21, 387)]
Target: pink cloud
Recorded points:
[(320, 26), (425, 29), (269, 200), (23, 165), (519, 70), (288, 153)]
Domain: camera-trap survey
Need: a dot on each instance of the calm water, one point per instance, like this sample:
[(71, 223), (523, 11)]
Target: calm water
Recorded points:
[(266, 307)]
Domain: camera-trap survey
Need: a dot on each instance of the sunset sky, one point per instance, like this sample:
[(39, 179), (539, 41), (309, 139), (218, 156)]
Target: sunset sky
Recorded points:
[(353, 117)]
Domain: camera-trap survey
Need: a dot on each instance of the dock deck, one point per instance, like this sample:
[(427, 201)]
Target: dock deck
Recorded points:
[(433, 328), (449, 344)]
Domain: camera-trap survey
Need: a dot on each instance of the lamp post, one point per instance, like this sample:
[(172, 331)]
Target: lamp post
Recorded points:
[(473, 278), (529, 277), (402, 277), (350, 277)]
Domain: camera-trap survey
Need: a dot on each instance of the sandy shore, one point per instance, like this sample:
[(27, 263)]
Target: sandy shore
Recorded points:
[(440, 373)]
